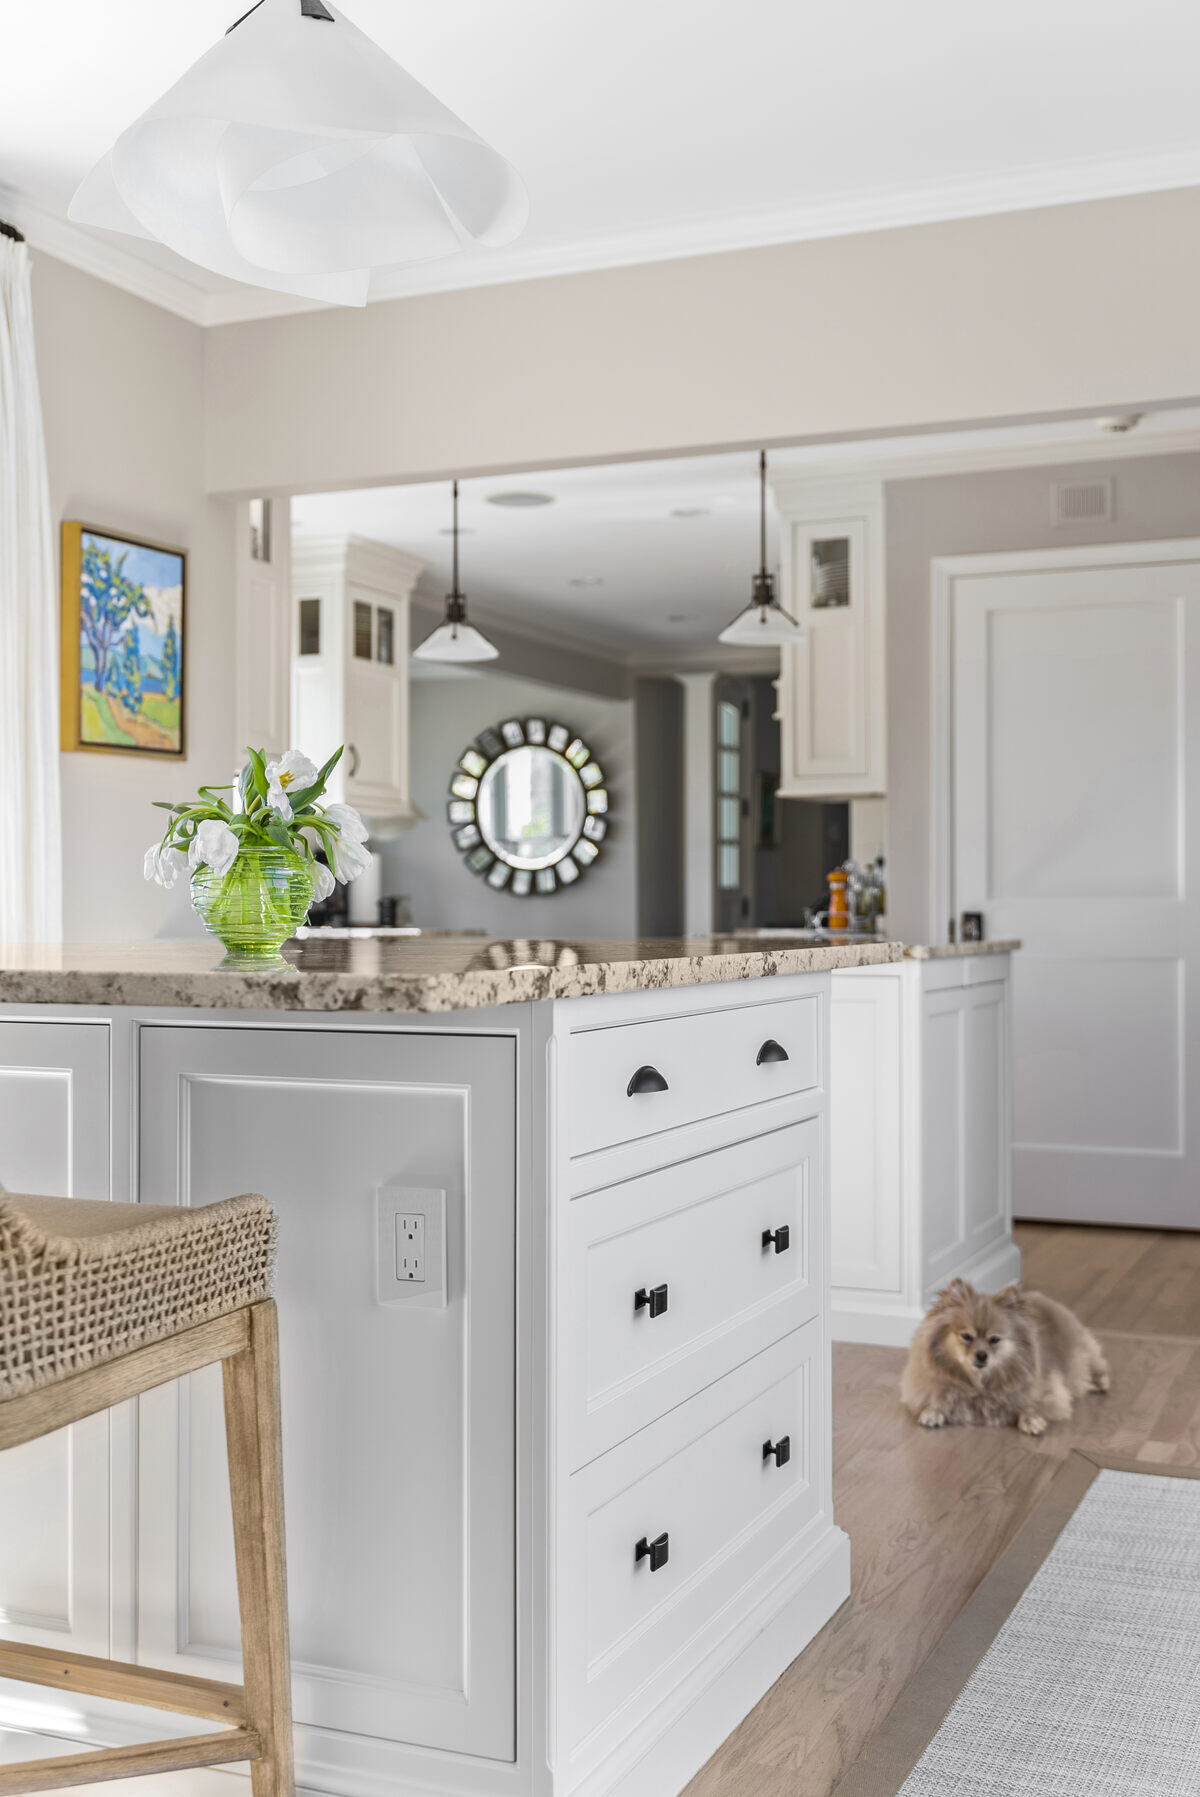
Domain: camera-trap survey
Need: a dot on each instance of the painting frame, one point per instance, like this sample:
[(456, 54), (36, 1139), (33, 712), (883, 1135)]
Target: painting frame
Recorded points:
[(73, 738)]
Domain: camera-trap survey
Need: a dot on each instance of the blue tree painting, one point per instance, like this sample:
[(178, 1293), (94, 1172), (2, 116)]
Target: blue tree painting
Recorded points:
[(131, 645)]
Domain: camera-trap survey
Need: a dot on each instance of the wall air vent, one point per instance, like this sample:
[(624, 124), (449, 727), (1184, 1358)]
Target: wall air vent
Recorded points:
[(1081, 502)]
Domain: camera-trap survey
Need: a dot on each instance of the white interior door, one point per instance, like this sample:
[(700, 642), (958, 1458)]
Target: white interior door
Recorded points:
[(1076, 769)]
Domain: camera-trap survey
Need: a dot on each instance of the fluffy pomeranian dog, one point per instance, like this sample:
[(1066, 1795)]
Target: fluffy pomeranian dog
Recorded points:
[(1017, 1357)]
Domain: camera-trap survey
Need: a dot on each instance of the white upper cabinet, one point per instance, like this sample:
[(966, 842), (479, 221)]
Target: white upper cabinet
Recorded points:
[(350, 668), (832, 699)]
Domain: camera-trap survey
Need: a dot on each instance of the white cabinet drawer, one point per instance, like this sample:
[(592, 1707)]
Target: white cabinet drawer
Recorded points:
[(734, 1522), (635, 1080), (669, 1282)]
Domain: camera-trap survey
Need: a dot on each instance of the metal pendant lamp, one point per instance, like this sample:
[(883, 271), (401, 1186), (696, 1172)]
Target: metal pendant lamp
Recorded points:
[(764, 619), (296, 155), (455, 639)]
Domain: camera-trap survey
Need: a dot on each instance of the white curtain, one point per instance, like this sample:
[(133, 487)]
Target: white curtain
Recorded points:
[(30, 816)]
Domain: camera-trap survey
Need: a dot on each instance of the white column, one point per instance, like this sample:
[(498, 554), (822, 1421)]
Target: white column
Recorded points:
[(698, 803)]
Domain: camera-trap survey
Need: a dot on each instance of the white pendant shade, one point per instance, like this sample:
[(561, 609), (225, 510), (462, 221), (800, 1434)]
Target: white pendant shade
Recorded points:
[(760, 624), (296, 155), (455, 642)]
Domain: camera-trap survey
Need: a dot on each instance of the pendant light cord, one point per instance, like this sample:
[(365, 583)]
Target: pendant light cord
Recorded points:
[(454, 582), (762, 484)]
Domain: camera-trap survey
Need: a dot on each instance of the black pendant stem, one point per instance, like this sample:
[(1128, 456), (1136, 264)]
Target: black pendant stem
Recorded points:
[(455, 594), (762, 483), (309, 9)]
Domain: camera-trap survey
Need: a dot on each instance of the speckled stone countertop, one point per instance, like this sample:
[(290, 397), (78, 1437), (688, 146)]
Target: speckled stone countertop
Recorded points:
[(959, 951), (433, 974)]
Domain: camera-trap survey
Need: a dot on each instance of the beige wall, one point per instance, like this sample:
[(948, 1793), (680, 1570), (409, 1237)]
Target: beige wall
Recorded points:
[(1156, 497), (122, 397), (1072, 308)]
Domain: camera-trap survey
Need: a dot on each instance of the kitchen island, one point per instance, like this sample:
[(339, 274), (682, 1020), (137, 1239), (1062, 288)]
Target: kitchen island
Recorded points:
[(921, 1134), (554, 1299)]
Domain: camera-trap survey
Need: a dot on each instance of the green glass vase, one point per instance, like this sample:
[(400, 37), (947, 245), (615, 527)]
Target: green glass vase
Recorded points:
[(254, 908)]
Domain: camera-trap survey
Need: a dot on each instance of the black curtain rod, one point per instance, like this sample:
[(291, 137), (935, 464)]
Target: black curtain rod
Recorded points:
[(10, 231)]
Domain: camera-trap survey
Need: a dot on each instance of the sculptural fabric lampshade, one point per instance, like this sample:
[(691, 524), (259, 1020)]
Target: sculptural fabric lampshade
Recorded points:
[(297, 155)]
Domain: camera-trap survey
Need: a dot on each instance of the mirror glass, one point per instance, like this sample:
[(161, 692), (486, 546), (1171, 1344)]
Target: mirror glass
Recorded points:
[(531, 807)]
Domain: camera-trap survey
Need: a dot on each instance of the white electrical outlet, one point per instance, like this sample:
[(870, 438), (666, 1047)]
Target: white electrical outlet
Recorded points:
[(410, 1246)]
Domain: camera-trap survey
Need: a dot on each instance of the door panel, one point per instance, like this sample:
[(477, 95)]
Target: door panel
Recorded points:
[(1077, 756), (399, 1420), (54, 1493)]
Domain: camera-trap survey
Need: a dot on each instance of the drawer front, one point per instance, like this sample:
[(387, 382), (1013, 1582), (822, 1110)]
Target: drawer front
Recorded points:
[(637, 1079), (674, 1278), (734, 1522)]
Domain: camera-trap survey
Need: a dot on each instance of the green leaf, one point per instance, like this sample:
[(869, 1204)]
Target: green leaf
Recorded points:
[(258, 768), (277, 831)]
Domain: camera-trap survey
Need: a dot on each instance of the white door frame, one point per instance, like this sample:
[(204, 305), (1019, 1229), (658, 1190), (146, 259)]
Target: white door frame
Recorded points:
[(946, 570)]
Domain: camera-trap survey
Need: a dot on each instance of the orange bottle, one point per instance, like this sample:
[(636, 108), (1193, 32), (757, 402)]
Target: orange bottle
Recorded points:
[(839, 908)]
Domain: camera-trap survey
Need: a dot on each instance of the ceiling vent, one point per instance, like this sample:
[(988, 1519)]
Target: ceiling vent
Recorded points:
[(1081, 502)]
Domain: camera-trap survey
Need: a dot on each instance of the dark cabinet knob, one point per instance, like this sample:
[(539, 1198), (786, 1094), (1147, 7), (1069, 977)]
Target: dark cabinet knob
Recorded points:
[(780, 1239), (646, 1079), (779, 1451), (654, 1300), (771, 1051), (658, 1551)]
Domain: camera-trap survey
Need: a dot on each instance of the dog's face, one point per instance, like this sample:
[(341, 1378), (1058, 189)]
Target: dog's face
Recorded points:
[(976, 1332)]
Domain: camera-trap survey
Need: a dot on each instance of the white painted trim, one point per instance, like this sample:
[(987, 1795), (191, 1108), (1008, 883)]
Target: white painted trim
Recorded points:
[(105, 257), (946, 569), (841, 215)]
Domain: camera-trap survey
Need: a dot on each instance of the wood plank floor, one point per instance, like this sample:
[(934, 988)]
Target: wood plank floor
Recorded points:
[(928, 1513)]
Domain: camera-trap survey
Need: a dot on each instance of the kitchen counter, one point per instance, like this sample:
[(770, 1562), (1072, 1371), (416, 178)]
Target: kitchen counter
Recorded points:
[(422, 974), (959, 951)]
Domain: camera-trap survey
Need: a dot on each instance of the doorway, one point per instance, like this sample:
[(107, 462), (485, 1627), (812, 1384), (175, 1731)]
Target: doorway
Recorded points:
[(1068, 802)]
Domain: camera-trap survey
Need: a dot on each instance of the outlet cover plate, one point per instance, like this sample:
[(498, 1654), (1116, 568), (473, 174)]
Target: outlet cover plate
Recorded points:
[(391, 1204)]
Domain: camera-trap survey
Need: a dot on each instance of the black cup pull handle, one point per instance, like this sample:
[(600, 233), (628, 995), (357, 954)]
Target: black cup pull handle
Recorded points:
[(646, 1079), (770, 1052), (658, 1551), (780, 1239), (654, 1300), (779, 1451)]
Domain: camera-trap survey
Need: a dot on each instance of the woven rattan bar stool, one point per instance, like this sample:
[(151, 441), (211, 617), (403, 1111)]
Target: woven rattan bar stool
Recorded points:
[(99, 1302)]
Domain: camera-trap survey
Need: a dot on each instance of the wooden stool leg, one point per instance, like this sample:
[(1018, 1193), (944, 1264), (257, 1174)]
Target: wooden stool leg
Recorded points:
[(252, 1433)]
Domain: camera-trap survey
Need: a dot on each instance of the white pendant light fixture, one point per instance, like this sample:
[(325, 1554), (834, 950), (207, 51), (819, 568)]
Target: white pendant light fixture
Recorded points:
[(296, 155), (455, 639), (764, 619)]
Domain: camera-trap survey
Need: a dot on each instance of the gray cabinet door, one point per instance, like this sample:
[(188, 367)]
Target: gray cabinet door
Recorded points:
[(54, 1493), (399, 1418)]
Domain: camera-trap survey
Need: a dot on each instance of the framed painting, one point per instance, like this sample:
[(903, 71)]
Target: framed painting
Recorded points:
[(124, 643)]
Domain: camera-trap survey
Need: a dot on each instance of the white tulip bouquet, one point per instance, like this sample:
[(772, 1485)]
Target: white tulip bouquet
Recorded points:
[(224, 843)]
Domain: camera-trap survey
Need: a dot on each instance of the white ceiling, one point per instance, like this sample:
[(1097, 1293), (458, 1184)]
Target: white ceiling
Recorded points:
[(650, 128), (669, 583)]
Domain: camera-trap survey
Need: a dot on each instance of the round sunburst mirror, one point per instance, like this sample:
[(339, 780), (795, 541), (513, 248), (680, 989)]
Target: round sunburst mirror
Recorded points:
[(528, 807)]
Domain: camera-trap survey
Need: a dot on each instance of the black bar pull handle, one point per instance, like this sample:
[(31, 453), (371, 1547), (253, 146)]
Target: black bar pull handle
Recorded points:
[(646, 1079), (658, 1551), (654, 1300), (780, 1239), (779, 1451), (770, 1052)]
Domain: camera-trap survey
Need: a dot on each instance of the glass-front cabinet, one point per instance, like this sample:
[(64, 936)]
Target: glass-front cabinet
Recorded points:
[(832, 701), (350, 668)]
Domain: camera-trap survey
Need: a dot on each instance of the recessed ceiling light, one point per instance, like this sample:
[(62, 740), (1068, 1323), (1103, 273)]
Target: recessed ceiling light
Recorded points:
[(690, 511), (586, 580), (518, 499), (1120, 423)]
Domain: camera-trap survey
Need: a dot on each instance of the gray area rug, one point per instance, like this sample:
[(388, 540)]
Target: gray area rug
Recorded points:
[(1091, 1688)]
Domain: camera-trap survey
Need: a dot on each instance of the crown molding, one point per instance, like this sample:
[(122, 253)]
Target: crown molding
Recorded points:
[(107, 259), (968, 196), (828, 482)]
